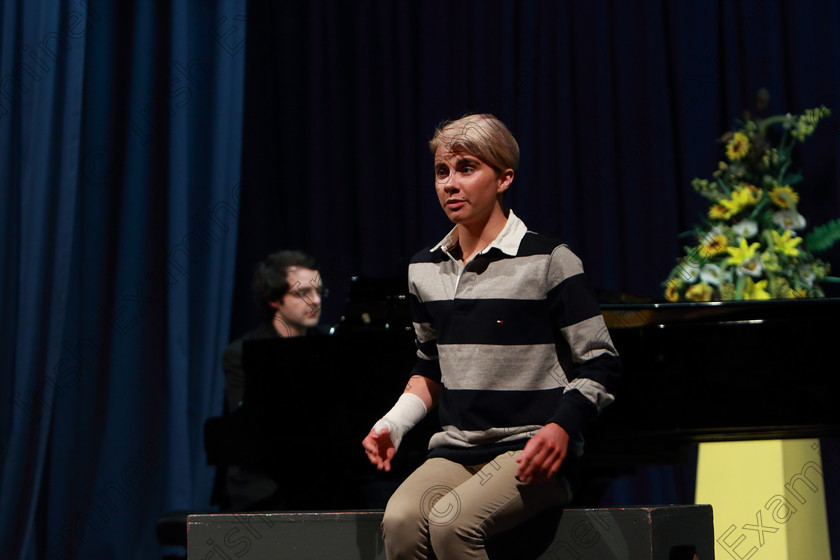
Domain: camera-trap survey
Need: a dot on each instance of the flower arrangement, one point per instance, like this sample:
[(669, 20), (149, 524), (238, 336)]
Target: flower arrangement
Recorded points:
[(749, 245)]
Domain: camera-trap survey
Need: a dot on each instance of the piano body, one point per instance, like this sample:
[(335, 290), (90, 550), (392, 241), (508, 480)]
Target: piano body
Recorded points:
[(719, 371), (692, 373)]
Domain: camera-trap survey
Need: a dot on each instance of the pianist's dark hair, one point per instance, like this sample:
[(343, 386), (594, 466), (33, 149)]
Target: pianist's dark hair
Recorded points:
[(270, 277)]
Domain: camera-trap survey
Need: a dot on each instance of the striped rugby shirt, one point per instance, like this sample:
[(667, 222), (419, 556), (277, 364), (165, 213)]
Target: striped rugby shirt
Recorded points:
[(516, 340)]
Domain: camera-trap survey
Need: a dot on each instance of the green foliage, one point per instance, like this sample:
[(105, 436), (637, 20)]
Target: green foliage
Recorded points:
[(823, 237)]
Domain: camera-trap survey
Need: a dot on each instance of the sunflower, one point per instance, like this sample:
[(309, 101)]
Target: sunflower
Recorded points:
[(738, 146), (719, 212), (713, 246), (784, 196)]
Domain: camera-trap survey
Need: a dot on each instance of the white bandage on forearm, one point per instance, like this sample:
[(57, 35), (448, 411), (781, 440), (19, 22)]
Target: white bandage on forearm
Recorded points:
[(407, 412)]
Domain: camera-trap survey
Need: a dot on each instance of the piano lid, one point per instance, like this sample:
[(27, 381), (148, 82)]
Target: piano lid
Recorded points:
[(630, 315)]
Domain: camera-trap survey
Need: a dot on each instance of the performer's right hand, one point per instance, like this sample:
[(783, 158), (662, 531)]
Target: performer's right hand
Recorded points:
[(379, 449)]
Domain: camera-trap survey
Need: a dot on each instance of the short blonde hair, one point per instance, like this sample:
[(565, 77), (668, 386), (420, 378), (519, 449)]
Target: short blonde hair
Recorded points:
[(481, 135)]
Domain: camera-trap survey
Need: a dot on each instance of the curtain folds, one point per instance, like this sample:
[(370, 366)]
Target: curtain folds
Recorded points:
[(120, 145)]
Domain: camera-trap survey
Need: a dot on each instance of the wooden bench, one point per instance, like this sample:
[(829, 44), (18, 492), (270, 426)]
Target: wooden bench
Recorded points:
[(637, 533)]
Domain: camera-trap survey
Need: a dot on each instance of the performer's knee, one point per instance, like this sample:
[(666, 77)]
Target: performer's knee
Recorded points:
[(403, 527), (450, 531)]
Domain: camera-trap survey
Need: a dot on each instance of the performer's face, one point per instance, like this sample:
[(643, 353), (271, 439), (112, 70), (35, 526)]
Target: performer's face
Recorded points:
[(300, 308), (468, 189)]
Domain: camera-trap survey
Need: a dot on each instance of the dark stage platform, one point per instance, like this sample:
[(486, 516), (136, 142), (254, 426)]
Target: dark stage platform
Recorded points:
[(638, 533)]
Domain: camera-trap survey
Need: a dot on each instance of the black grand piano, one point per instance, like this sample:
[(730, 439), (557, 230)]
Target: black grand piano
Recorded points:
[(692, 373)]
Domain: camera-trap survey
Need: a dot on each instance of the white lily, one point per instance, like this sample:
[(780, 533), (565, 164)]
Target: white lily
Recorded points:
[(746, 228), (689, 272), (752, 267), (789, 219), (712, 274)]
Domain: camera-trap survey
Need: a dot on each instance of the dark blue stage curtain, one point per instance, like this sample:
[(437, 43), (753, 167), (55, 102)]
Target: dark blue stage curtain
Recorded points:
[(617, 106), (120, 150)]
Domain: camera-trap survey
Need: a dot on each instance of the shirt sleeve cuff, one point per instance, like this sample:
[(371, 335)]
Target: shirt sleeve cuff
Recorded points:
[(573, 413)]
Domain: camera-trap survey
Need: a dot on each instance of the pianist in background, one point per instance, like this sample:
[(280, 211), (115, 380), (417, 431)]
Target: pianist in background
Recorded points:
[(513, 349), (287, 287)]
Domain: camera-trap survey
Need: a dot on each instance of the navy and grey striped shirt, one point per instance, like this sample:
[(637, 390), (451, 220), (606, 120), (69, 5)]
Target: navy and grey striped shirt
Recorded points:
[(515, 338)]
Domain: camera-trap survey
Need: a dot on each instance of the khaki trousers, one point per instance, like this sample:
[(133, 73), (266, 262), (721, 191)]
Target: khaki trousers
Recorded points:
[(447, 511)]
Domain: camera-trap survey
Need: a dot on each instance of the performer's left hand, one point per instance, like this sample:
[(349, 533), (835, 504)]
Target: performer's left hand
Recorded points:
[(543, 454)]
